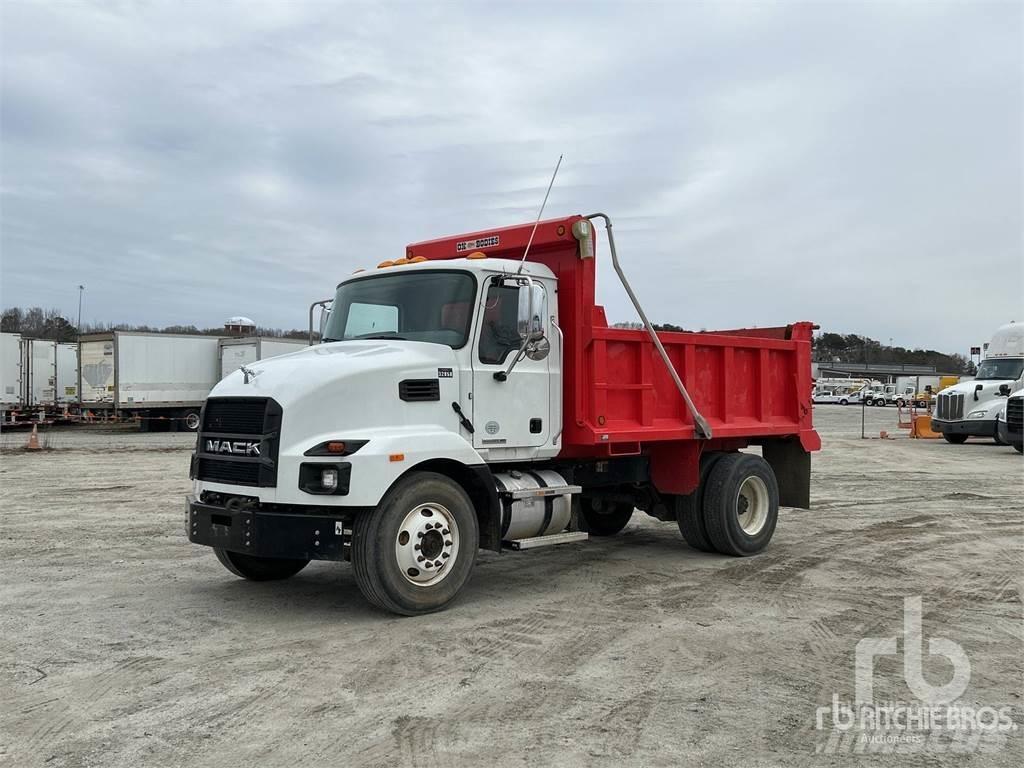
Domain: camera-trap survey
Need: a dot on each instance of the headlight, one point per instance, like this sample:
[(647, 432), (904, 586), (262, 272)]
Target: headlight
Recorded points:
[(977, 414)]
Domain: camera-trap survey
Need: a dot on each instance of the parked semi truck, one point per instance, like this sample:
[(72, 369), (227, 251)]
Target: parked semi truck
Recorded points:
[(160, 378), (969, 409), (466, 396), (236, 352)]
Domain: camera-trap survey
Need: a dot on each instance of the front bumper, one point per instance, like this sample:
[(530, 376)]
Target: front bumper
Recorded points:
[(288, 533), (974, 428), (1008, 436)]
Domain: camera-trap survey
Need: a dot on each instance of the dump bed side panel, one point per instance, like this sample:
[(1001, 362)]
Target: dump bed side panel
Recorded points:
[(744, 386)]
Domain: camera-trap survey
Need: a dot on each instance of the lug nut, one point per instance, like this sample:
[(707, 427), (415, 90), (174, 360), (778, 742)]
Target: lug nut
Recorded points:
[(420, 559), (445, 531), (445, 555), (416, 547), (448, 543), (419, 535)]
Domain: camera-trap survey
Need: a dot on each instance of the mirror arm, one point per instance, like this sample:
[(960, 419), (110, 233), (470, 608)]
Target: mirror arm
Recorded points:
[(503, 375), (313, 306)]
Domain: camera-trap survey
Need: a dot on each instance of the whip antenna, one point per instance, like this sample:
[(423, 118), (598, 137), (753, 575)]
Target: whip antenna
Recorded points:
[(539, 214)]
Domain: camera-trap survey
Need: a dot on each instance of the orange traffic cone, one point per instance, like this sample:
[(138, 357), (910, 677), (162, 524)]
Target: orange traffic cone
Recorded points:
[(33, 440)]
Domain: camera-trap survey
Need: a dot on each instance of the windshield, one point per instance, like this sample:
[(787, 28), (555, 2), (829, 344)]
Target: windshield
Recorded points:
[(434, 306), (1000, 368)]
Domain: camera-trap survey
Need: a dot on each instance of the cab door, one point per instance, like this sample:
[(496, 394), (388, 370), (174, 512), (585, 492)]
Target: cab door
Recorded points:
[(516, 412)]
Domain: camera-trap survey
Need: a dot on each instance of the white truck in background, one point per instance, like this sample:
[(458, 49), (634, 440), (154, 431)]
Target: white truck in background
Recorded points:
[(236, 352), (971, 408), (160, 378)]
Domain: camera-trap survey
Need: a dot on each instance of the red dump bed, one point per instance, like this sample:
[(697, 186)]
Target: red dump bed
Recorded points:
[(619, 398)]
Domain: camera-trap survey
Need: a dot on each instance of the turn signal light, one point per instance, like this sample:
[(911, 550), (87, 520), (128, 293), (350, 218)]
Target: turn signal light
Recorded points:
[(336, 447), (396, 457)]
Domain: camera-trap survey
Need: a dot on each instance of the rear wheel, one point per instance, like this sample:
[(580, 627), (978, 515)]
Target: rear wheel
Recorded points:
[(689, 510), (191, 420), (259, 568), (741, 504), (880, 402), (414, 551), (954, 438), (600, 517)]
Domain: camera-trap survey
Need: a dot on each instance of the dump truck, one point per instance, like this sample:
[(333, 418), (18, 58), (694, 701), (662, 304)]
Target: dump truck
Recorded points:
[(471, 394)]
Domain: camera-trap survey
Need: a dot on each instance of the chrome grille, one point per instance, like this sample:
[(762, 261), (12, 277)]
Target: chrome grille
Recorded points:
[(951, 407), (239, 421), (1015, 413)]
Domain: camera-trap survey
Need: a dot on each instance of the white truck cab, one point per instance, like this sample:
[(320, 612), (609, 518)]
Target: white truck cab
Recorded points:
[(971, 408)]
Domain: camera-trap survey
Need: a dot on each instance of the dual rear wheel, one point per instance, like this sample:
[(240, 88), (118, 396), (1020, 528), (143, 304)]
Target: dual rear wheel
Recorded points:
[(734, 509)]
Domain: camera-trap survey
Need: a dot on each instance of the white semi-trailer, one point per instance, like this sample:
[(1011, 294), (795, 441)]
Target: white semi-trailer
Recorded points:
[(234, 353), (970, 408), (158, 377), (10, 372)]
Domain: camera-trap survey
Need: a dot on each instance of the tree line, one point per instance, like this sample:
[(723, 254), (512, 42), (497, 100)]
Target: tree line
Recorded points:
[(50, 324), (828, 347)]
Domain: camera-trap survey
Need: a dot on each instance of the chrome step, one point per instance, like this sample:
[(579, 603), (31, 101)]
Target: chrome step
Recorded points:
[(546, 541)]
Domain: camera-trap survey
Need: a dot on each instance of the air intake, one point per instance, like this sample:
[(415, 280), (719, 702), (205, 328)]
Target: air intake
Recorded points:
[(419, 390)]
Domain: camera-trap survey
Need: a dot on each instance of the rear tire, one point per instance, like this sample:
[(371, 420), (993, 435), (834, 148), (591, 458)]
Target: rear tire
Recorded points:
[(414, 551), (604, 518), (690, 513), (954, 439), (741, 504), (259, 568), (190, 420)]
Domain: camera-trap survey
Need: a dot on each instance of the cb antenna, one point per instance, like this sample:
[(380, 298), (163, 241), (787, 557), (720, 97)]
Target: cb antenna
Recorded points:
[(539, 214)]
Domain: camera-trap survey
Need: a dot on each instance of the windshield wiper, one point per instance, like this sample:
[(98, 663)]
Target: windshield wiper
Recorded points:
[(383, 335)]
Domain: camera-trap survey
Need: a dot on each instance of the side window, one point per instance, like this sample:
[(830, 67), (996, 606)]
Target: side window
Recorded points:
[(371, 318), (498, 333)]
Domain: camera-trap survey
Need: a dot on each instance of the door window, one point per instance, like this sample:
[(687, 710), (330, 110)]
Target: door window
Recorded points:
[(499, 334)]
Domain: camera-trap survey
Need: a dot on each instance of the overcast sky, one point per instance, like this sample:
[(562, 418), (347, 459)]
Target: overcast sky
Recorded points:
[(859, 165)]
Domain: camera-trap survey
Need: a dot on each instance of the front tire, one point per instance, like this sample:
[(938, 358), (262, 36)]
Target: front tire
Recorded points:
[(741, 504), (954, 438), (259, 568), (600, 517), (414, 551)]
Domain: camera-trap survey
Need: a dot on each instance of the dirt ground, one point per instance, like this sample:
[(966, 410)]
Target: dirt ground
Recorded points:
[(121, 644)]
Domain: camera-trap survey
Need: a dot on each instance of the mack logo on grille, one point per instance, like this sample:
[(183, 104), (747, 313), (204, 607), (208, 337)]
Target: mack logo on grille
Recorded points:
[(234, 447)]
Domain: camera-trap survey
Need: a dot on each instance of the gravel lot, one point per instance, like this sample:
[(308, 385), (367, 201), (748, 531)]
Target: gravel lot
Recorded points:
[(124, 645)]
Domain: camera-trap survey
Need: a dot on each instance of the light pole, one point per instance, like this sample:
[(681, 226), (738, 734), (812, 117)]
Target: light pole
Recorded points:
[(81, 288)]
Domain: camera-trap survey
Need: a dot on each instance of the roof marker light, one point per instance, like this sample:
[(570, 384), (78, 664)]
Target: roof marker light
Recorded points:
[(477, 255), (384, 264)]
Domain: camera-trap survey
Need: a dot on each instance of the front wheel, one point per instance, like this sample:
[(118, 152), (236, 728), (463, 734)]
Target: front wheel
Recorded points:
[(954, 438), (259, 568), (600, 517), (414, 551), (741, 504)]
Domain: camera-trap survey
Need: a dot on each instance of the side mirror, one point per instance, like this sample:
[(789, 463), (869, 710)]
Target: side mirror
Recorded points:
[(928, 388), (533, 308), (977, 389), (1004, 390)]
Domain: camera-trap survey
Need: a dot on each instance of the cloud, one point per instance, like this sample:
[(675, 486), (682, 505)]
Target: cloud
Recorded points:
[(858, 165)]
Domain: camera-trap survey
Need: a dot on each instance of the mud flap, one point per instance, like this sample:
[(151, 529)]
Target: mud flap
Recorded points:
[(792, 467)]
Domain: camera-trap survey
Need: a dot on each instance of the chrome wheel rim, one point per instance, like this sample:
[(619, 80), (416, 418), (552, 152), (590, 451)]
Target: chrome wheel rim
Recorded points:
[(427, 544), (192, 421), (752, 502)]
